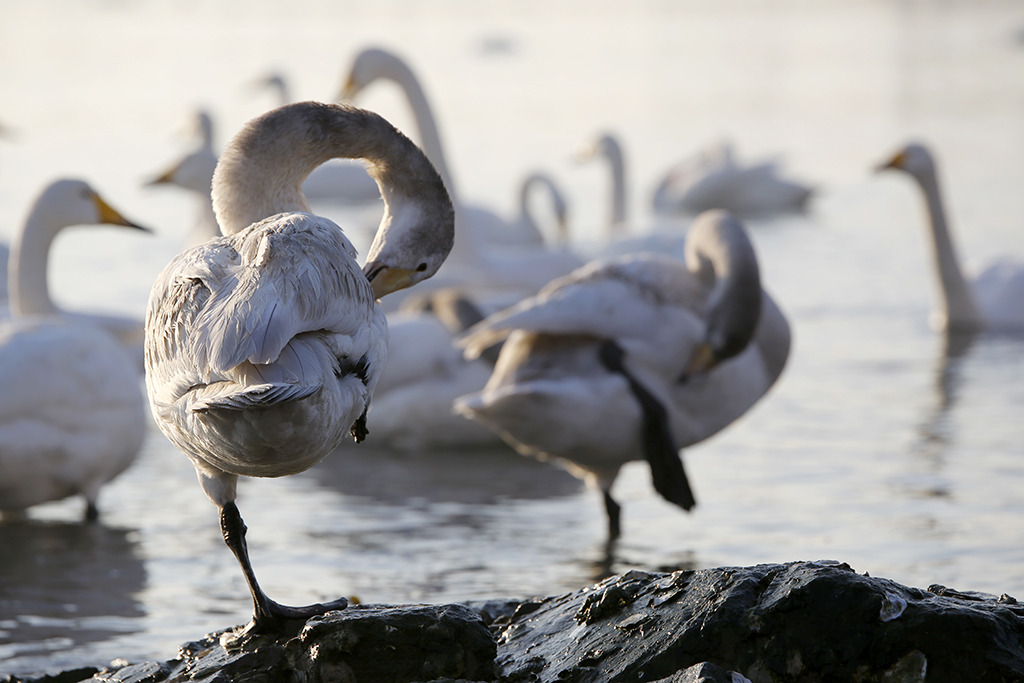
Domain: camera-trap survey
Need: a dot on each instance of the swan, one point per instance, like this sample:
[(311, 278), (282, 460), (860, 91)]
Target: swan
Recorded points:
[(606, 146), (526, 222), (425, 373), (263, 346), (373, 64), (194, 173), (72, 413), (634, 357), (28, 264), (713, 179), (994, 300)]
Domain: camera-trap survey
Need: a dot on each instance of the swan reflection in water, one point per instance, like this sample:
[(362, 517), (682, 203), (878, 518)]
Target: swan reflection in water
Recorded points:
[(65, 586)]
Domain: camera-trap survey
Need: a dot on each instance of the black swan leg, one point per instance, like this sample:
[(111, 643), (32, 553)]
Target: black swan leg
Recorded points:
[(266, 613), (659, 445)]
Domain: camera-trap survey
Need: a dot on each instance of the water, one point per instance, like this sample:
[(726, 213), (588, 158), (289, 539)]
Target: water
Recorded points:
[(876, 448)]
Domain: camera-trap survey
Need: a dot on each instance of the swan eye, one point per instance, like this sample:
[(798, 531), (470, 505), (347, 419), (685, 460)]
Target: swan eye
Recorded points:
[(421, 267)]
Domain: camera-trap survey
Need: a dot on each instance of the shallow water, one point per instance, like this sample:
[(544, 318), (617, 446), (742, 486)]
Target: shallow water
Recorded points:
[(876, 447)]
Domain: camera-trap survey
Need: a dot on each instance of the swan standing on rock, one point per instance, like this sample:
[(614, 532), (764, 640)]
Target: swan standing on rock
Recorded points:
[(634, 357), (263, 346), (994, 300), (72, 413)]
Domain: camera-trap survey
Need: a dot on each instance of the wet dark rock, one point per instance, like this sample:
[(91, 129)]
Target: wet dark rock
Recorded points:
[(801, 622)]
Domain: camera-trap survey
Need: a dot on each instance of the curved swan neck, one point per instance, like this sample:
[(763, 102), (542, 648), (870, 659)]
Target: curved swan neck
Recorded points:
[(261, 172), (720, 255), (29, 267), (960, 309), (557, 201)]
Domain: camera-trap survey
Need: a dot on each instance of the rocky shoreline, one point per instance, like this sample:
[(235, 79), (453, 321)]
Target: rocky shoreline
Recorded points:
[(794, 622)]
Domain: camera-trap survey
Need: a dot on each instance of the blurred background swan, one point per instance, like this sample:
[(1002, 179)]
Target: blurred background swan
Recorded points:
[(696, 345), (72, 411), (993, 300), (714, 179), (483, 257)]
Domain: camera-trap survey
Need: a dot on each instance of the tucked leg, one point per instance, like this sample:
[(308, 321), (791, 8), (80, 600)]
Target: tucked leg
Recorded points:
[(266, 612), (659, 445)]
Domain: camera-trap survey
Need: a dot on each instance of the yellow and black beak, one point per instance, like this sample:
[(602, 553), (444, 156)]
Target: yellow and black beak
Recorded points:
[(108, 215), (386, 279)]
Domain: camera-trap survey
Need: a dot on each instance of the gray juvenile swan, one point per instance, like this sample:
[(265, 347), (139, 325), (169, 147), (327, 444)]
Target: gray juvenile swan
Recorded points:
[(633, 358), (263, 346)]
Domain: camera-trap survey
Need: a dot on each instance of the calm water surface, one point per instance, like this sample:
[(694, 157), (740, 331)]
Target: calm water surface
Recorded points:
[(877, 447)]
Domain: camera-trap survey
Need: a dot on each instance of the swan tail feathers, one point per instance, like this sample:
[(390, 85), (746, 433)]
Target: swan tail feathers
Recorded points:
[(259, 396)]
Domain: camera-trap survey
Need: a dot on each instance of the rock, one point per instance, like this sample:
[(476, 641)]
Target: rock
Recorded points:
[(792, 622), (797, 622)]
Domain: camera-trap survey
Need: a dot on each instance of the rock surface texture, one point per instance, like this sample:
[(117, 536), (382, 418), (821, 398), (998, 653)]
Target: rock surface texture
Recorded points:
[(796, 622)]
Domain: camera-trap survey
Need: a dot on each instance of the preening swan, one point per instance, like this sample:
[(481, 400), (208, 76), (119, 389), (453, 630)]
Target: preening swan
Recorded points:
[(263, 346), (994, 300), (72, 413), (634, 358), (713, 179)]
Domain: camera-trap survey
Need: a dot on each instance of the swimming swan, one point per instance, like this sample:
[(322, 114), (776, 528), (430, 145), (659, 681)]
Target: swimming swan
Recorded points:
[(263, 346), (994, 300), (72, 413), (634, 357)]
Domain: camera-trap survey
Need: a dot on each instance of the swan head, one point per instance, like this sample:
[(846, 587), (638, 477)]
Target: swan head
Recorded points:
[(370, 65), (914, 159), (411, 244), (70, 202), (194, 172), (720, 254)]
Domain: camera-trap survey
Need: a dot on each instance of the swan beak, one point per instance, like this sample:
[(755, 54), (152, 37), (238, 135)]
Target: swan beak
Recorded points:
[(164, 178), (702, 360), (349, 90), (386, 279), (107, 214), (895, 162)]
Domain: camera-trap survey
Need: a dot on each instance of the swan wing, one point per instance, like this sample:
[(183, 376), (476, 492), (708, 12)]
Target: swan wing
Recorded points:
[(237, 302)]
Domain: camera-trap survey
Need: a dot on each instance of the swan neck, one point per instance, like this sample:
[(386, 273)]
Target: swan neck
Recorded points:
[(960, 308), (29, 268), (262, 170), (720, 255), (617, 165), (426, 125)]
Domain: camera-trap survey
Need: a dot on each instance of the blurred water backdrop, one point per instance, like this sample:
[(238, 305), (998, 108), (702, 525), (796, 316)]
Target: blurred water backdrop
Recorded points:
[(876, 448)]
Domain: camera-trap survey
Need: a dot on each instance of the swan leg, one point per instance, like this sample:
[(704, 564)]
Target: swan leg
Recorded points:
[(659, 446), (92, 513), (266, 613), (614, 513)]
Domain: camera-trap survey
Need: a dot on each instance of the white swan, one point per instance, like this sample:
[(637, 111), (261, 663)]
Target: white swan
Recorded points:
[(425, 373), (994, 300), (58, 206), (72, 413), (194, 173), (617, 239), (713, 179), (633, 358), (526, 223), (481, 224), (263, 346)]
